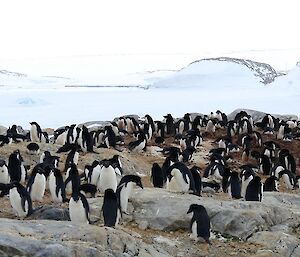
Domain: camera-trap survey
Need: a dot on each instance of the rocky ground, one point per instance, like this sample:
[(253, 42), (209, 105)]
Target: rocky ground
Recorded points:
[(157, 223)]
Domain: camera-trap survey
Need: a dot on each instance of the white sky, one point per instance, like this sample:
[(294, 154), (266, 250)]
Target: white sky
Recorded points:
[(54, 28)]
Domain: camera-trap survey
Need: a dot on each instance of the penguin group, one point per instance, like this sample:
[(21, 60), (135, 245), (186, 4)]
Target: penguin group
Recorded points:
[(247, 157)]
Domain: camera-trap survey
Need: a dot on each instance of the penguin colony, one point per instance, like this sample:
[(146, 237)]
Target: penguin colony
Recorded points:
[(244, 153)]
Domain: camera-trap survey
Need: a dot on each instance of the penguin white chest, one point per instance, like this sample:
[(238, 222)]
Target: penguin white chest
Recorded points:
[(77, 211), (177, 183), (4, 177), (107, 180), (124, 196), (34, 134), (245, 183), (15, 201), (38, 188), (194, 234), (95, 175)]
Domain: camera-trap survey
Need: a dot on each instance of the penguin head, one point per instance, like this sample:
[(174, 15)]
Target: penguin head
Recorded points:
[(110, 194), (195, 208), (106, 163)]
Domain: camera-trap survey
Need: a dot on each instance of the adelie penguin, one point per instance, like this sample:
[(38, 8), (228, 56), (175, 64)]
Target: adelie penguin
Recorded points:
[(271, 184), (4, 176), (110, 209), (180, 178), (33, 148), (20, 200), (254, 191), (37, 183), (200, 223), (78, 206), (36, 134), (196, 173), (57, 186), (108, 177), (158, 178), (16, 169), (234, 186), (138, 145), (125, 188)]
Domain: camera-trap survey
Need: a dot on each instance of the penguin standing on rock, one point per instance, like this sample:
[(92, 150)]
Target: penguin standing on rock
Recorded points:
[(16, 169), (37, 184), (110, 208), (57, 186), (125, 188), (108, 177), (196, 173), (200, 223), (157, 176), (20, 200), (180, 178), (254, 191), (234, 186), (78, 206), (36, 134), (140, 144)]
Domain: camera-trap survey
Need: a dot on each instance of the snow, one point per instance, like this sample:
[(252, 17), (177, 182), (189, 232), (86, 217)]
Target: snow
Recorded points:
[(200, 87)]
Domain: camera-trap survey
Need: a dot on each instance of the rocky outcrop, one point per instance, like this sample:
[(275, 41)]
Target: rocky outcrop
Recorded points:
[(257, 115), (55, 238)]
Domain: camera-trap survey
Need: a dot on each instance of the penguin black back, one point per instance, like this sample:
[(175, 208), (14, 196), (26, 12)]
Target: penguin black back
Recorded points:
[(110, 208)]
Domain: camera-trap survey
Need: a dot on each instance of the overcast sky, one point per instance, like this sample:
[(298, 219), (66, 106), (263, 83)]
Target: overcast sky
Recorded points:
[(62, 28)]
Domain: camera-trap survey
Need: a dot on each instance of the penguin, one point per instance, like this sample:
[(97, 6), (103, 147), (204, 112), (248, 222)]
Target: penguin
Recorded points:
[(265, 165), (36, 134), (138, 145), (117, 165), (288, 178), (93, 172), (157, 176), (20, 200), (49, 160), (231, 128), (125, 188), (187, 154), (170, 126), (15, 135), (149, 120), (33, 148), (254, 191), (214, 172), (200, 223), (271, 184), (57, 186), (5, 140), (60, 136), (71, 134), (4, 176), (197, 122), (226, 176), (78, 205), (88, 189), (210, 127), (159, 129), (110, 208), (16, 169), (132, 125), (234, 186), (122, 124), (247, 174), (159, 140), (37, 184), (287, 160), (85, 140), (108, 177), (109, 137), (180, 178), (196, 173), (147, 129)]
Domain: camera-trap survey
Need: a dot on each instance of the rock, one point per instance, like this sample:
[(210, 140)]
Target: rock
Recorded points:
[(63, 238), (281, 244), (3, 130), (48, 212), (257, 115), (163, 210)]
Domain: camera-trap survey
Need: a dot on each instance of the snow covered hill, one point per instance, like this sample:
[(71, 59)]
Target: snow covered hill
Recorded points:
[(220, 72)]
